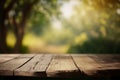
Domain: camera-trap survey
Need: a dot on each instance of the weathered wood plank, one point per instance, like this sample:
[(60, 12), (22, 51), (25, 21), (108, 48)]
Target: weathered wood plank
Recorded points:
[(98, 65), (7, 57), (62, 66), (35, 67), (110, 58), (109, 64), (44, 63), (86, 64), (6, 69), (27, 55)]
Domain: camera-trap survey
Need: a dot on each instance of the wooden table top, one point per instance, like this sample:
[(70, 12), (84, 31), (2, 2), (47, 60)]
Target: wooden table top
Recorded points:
[(60, 65)]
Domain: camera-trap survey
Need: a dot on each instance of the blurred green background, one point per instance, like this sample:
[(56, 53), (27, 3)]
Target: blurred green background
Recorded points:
[(60, 26)]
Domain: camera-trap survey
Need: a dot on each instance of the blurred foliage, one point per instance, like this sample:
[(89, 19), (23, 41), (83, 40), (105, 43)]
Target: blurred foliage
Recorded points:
[(41, 15), (96, 45), (101, 22), (74, 26), (20, 16)]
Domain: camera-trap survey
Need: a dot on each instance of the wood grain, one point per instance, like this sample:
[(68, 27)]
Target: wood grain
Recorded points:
[(6, 69), (7, 57), (109, 64), (98, 65), (86, 64), (62, 66), (35, 67)]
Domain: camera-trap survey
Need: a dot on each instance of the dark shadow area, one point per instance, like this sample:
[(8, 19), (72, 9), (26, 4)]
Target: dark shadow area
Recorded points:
[(39, 78), (23, 49)]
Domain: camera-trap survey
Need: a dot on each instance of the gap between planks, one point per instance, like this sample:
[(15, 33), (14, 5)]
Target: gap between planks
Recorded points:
[(62, 66), (7, 68), (7, 57), (98, 65), (35, 67)]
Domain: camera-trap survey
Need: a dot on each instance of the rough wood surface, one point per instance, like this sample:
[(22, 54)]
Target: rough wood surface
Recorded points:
[(108, 64), (62, 66), (100, 65), (8, 67), (86, 64), (35, 67), (7, 57)]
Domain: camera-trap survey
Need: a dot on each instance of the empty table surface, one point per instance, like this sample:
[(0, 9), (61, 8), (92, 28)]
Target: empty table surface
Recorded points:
[(60, 65)]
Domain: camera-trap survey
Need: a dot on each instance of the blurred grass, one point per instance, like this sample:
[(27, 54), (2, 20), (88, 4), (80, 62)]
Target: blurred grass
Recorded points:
[(82, 44), (33, 44)]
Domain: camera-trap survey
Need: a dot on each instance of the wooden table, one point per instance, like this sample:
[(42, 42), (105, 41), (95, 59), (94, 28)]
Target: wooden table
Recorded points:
[(60, 65)]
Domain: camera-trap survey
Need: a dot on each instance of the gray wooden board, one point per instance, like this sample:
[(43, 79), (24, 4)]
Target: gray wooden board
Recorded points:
[(7, 57), (6, 69), (62, 66), (35, 67)]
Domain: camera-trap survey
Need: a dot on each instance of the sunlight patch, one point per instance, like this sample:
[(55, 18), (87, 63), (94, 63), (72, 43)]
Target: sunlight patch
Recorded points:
[(56, 24), (67, 8)]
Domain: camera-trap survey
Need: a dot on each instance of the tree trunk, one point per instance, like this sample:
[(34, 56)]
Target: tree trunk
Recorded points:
[(19, 39), (19, 28), (19, 33), (3, 32)]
